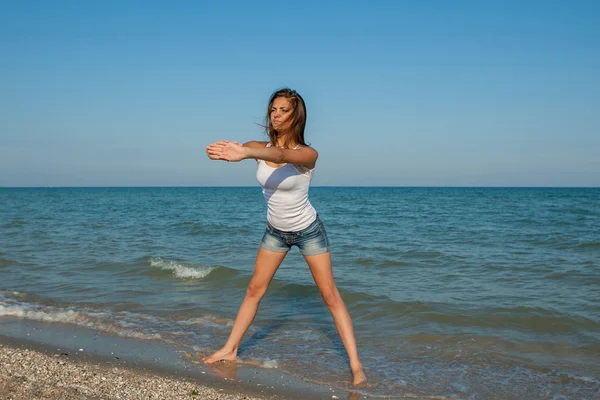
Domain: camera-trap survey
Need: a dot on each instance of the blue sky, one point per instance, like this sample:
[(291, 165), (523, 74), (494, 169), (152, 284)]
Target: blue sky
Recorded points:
[(416, 93)]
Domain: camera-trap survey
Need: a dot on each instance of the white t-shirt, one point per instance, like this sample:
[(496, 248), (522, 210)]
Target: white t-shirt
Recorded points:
[(286, 192)]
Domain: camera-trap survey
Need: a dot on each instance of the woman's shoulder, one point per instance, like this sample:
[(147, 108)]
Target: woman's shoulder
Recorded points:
[(308, 149), (255, 143)]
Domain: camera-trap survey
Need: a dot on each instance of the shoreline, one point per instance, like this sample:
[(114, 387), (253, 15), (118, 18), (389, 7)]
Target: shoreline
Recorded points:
[(31, 373), (40, 360)]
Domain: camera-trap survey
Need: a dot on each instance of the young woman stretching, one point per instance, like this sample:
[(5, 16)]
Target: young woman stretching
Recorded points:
[(285, 167)]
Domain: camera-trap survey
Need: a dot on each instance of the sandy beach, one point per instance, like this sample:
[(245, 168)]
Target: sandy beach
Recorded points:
[(54, 361), (28, 373)]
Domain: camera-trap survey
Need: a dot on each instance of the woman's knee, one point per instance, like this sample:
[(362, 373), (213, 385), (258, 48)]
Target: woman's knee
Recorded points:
[(256, 290), (331, 297)]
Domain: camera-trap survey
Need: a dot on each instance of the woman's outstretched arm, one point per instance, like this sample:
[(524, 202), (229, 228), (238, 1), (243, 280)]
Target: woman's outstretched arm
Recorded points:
[(232, 151)]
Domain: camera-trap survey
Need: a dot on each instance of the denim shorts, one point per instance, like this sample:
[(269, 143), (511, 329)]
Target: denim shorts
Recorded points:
[(311, 240)]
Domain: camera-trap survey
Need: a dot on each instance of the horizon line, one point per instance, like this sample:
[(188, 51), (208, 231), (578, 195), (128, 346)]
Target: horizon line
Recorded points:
[(315, 186)]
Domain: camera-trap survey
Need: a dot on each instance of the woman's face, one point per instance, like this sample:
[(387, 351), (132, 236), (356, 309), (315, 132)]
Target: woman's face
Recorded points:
[(281, 113)]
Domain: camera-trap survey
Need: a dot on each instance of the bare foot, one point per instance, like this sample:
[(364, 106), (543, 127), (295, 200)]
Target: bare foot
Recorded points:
[(223, 354), (359, 377)]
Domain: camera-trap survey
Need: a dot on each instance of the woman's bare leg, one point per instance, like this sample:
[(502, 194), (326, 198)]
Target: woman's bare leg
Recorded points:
[(265, 267), (320, 267)]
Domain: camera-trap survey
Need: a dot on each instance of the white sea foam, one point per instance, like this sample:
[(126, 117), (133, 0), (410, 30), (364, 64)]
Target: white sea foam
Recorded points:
[(194, 321), (579, 378), (10, 292), (68, 316), (270, 364), (181, 270), (207, 321), (80, 318)]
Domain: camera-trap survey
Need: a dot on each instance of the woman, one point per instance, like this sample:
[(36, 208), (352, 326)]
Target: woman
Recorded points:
[(285, 167)]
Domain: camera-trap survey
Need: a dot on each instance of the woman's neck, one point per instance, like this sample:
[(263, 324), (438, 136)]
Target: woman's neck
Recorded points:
[(282, 140)]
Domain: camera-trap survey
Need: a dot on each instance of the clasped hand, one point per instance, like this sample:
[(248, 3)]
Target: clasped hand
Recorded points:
[(226, 151)]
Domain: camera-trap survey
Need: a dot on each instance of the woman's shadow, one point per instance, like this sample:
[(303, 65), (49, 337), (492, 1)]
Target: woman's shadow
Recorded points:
[(283, 301), (287, 304)]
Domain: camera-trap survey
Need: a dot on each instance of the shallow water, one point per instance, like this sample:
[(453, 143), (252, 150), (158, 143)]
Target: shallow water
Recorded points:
[(454, 292)]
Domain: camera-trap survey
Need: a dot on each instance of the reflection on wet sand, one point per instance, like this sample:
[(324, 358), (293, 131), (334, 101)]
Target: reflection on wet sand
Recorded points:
[(224, 369), (353, 396)]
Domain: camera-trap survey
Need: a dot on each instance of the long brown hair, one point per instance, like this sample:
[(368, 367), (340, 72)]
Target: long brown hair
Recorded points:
[(298, 117)]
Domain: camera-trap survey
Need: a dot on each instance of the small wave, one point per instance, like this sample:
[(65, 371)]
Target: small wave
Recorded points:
[(392, 263), (582, 277), (364, 261), (592, 245), (418, 254), (192, 228), (206, 320), (11, 292), (384, 263), (565, 377), (121, 323), (69, 316), (5, 262), (533, 319), (15, 223), (200, 229), (181, 270)]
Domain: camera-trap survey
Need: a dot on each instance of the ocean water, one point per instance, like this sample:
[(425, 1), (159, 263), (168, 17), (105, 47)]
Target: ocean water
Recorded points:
[(468, 293)]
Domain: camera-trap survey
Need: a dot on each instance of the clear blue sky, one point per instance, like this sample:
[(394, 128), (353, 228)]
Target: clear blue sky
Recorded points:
[(418, 93)]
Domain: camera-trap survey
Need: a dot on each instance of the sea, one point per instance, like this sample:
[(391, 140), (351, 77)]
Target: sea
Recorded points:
[(454, 292)]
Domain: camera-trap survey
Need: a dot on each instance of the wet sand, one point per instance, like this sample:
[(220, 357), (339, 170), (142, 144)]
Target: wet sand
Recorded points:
[(56, 361), (28, 373)]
